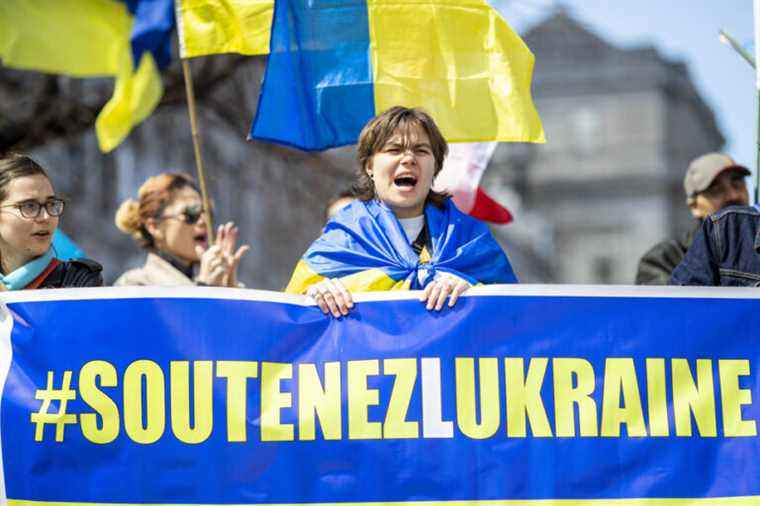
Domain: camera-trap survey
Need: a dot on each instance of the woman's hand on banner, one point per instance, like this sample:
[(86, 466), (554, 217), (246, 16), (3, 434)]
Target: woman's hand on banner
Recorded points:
[(443, 286), (331, 297)]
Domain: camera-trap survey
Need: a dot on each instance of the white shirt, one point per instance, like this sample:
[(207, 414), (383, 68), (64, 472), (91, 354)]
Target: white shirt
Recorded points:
[(412, 227)]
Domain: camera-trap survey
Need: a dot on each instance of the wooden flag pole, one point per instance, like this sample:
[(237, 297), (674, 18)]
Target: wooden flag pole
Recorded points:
[(197, 149)]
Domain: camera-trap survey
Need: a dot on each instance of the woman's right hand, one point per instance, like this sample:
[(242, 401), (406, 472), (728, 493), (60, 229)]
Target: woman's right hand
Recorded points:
[(331, 297), (213, 267)]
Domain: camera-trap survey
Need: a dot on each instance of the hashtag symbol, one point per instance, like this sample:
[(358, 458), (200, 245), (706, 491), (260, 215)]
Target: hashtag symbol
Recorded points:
[(60, 419)]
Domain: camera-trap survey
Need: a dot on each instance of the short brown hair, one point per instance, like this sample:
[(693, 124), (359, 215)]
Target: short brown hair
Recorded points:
[(152, 198), (379, 130), (14, 166)]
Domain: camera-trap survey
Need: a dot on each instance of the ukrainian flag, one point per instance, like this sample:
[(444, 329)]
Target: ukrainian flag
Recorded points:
[(334, 65), (128, 40), (365, 247)]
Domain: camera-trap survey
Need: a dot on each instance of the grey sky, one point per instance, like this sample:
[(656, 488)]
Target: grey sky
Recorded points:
[(684, 30)]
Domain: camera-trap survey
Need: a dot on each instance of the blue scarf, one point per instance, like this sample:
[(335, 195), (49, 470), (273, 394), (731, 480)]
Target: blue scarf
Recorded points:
[(367, 235), (27, 273)]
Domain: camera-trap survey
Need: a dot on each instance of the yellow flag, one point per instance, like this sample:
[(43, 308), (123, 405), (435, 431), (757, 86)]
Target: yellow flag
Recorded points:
[(224, 26), (83, 38), (460, 61)]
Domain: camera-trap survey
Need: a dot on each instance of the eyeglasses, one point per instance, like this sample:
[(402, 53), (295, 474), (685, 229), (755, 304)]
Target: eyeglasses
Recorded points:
[(190, 215), (31, 209)]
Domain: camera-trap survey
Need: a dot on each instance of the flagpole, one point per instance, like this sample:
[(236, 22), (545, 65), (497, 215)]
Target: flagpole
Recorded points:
[(757, 96), (725, 38), (197, 148)]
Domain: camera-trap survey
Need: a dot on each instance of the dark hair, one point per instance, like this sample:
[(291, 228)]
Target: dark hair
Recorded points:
[(380, 129), (152, 198), (14, 166)]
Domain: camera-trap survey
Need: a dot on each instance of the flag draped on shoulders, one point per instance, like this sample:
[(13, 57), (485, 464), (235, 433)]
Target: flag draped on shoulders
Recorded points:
[(334, 65), (128, 40), (365, 246)]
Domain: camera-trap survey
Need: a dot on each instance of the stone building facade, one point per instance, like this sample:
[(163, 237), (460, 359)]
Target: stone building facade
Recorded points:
[(622, 126)]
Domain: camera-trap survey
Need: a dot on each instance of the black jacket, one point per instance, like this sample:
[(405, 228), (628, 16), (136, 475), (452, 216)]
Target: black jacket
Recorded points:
[(657, 264), (74, 273)]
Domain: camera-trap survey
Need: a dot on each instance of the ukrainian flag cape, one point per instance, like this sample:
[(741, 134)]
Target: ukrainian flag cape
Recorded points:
[(365, 246)]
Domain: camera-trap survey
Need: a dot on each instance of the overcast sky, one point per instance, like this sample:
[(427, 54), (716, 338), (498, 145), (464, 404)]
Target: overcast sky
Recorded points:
[(684, 30)]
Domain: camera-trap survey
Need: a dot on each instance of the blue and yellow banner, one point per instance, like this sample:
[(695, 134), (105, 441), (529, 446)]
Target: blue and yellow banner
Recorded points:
[(524, 395)]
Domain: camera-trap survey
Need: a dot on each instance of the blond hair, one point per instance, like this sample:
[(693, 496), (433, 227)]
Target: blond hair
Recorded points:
[(152, 198)]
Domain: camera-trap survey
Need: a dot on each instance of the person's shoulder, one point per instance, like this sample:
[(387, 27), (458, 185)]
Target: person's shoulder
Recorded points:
[(735, 213), (84, 264), (661, 248), (76, 273), (83, 272)]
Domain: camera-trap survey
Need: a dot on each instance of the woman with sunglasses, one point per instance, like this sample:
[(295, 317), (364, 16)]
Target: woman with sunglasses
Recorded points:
[(167, 221), (29, 214)]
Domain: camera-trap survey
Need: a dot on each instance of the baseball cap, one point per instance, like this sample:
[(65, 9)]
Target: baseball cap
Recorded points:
[(703, 171)]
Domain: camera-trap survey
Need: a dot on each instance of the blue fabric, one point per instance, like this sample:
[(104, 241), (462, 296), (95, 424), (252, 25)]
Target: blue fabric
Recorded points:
[(367, 235), (725, 251), (318, 62), (154, 22), (119, 328), (25, 274), (65, 248)]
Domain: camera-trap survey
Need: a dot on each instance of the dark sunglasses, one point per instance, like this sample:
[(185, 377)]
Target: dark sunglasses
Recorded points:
[(190, 214)]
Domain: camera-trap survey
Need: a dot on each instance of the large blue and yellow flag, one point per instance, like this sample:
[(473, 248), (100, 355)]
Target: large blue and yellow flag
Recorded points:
[(334, 65), (365, 246), (126, 39)]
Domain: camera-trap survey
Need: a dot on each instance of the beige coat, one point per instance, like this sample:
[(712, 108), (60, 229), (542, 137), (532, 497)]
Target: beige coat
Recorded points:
[(155, 272)]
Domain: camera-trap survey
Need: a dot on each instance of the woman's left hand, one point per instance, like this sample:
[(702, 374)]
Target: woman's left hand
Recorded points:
[(444, 285)]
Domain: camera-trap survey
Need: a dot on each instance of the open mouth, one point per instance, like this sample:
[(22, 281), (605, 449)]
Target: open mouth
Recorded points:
[(406, 181), (43, 234), (200, 239)]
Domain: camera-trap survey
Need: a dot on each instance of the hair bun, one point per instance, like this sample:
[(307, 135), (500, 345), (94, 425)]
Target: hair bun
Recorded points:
[(128, 217)]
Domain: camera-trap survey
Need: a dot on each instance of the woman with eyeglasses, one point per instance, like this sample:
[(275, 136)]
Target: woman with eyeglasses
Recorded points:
[(167, 221), (29, 214)]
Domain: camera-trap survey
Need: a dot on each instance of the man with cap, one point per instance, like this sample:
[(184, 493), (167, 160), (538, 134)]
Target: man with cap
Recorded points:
[(713, 182), (725, 251)]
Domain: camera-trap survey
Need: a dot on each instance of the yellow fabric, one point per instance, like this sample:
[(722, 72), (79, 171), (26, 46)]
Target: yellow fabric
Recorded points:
[(460, 61), (83, 38), (302, 278), (372, 280), (135, 97), (425, 255), (224, 26)]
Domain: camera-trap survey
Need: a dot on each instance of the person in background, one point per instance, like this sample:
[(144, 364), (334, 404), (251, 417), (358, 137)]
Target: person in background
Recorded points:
[(713, 182), (29, 215), (338, 202), (167, 221), (725, 251), (399, 233)]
